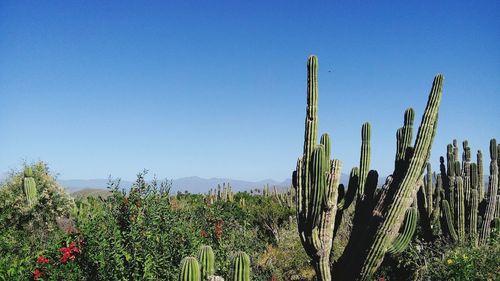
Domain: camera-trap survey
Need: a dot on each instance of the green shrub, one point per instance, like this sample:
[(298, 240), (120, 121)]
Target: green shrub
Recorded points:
[(27, 231)]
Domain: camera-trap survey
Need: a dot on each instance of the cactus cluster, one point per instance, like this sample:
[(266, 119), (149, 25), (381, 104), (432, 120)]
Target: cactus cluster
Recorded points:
[(286, 198), (224, 193), (191, 270), (378, 217), (29, 187), (454, 203)]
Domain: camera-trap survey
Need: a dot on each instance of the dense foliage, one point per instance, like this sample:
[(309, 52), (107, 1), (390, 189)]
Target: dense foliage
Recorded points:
[(145, 233)]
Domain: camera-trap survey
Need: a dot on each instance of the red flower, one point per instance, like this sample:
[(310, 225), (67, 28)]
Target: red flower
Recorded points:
[(42, 259), (38, 273), (68, 252), (381, 278), (274, 278)]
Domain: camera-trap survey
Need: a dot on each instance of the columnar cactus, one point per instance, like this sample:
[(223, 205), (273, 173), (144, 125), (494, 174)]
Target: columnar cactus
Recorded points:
[(29, 187), (316, 180), (480, 175), (190, 270), (429, 204), (241, 267), (207, 260), (377, 218), (467, 211), (485, 231)]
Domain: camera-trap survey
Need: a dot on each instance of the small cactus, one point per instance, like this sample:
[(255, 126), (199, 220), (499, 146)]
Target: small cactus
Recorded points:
[(190, 270), (29, 187), (241, 267), (207, 261)]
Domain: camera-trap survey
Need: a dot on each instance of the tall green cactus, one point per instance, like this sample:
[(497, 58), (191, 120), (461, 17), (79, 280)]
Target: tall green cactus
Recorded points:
[(241, 267), (377, 218), (473, 216), (29, 186), (460, 213), (207, 259), (315, 180), (485, 231), (190, 270), (480, 175), (429, 204)]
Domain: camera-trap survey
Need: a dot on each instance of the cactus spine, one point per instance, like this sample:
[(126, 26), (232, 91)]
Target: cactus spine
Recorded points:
[(241, 267), (377, 218), (29, 186), (190, 270), (207, 261)]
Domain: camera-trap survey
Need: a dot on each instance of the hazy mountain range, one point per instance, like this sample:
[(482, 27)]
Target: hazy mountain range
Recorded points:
[(192, 184)]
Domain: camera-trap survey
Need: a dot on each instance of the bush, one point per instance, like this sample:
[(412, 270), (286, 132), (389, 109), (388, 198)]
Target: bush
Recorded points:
[(27, 231), (466, 263), (286, 260)]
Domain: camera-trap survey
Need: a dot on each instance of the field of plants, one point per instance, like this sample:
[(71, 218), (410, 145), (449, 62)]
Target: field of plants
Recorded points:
[(429, 221)]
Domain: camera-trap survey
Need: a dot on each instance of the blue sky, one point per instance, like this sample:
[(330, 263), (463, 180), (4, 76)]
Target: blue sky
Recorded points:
[(217, 88)]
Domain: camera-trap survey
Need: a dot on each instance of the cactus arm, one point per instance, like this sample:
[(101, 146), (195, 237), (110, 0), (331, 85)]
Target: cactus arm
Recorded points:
[(429, 189), (351, 189), (403, 137), (364, 161), (449, 220), (403, 239)]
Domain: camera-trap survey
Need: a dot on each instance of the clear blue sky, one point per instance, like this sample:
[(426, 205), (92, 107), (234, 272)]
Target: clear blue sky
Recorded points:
[(217, 88)]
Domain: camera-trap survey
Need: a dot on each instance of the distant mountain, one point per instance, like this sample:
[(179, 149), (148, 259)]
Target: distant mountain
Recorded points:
[(191, 184), (194, 184), (91, 192), (76, 185)]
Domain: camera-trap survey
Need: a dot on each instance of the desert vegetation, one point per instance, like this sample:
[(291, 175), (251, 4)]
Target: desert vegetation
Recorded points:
[(419, 225)]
